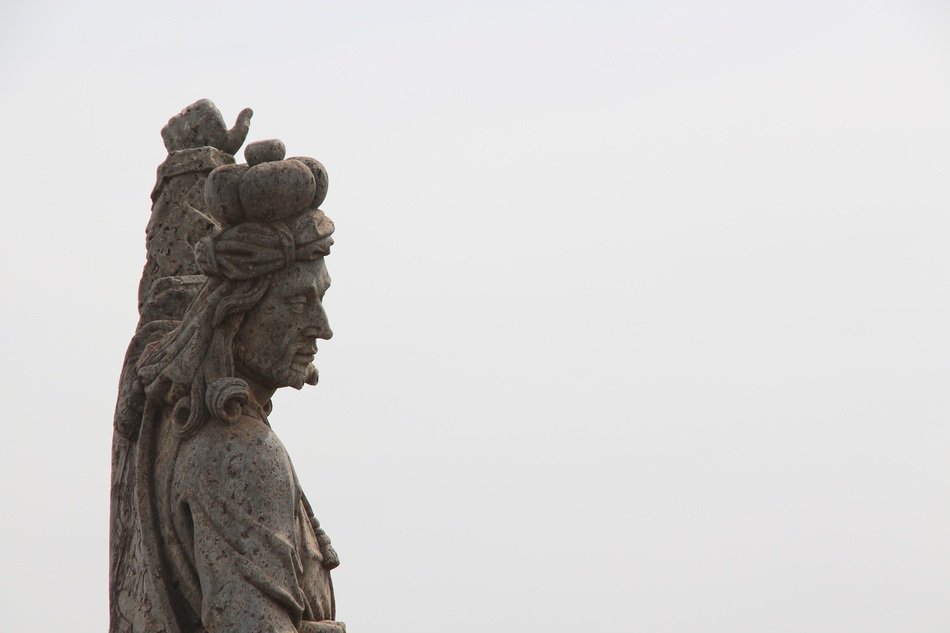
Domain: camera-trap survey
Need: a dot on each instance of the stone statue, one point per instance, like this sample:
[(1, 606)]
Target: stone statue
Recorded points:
[(210, 530)]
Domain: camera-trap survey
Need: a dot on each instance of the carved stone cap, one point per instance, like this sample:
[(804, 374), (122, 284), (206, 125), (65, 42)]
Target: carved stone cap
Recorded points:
[(266, 189)]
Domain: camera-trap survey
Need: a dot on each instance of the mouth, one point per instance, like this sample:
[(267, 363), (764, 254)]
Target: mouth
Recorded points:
[(304, 358), (306, 352)]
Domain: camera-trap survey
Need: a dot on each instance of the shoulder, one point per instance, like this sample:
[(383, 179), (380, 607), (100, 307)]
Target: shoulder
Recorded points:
[(240, 459)]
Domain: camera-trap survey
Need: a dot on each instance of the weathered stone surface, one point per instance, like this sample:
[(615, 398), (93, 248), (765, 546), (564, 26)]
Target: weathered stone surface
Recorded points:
[(210, 530), (221, 194), (264, 151), (275, 190), (320, 177), (201, 125)]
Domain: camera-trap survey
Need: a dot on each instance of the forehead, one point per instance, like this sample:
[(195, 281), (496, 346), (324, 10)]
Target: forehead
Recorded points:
[(303, 275)]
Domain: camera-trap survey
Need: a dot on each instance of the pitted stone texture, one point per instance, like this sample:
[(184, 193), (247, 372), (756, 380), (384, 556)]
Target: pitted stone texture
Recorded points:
[(221, 194), (264, 152), (276, 190), (320, 177), (210, 530), (201, 125), (178, 218)]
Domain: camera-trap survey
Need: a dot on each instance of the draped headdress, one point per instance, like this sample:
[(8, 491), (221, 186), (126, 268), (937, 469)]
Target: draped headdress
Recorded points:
[(268, 216)]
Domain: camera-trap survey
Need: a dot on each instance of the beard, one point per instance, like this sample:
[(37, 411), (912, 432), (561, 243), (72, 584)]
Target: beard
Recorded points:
[(289, 371)]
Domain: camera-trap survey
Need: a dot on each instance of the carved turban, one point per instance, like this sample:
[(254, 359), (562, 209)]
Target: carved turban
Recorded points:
[(253, 249), (270, 209)]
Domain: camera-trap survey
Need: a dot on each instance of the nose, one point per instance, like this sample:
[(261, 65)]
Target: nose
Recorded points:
[(320, 325)]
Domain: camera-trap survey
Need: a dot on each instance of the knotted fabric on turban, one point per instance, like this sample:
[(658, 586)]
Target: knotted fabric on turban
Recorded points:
[(251, 249)]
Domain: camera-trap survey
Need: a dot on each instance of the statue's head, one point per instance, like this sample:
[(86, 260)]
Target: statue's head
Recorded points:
[(256, 319), (276, 342)]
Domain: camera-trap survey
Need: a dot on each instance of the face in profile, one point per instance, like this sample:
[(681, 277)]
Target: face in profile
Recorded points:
[(276, 343)]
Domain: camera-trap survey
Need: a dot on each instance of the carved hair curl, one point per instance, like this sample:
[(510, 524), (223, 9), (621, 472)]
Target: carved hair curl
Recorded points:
[(185, 367)]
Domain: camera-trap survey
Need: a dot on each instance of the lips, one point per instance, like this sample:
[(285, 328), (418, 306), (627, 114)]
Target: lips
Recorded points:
[(304, 357)]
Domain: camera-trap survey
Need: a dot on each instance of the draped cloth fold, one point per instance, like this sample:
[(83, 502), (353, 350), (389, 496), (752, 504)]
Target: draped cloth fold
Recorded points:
[(253, 249)]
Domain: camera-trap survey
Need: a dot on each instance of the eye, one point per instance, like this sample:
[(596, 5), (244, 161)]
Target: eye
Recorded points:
[(297, 303)]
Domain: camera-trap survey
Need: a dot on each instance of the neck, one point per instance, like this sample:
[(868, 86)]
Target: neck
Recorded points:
[(259, 392)]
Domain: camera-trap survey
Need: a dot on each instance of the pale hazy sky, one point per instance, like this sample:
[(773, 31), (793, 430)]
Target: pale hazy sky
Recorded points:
[(642, 309)]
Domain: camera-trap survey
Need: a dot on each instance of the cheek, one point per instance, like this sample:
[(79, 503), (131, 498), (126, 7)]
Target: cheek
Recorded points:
[(274, 324), (284, 324), (265, 326)]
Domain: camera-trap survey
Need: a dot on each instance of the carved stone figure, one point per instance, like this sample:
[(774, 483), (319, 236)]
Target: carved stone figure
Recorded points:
[(210, 530)]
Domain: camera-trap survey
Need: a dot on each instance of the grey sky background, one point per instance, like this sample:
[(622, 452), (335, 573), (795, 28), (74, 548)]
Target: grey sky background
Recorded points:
[(641, 308)]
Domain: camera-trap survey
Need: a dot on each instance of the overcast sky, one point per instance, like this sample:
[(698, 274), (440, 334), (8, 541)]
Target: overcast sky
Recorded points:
[(641, 309)]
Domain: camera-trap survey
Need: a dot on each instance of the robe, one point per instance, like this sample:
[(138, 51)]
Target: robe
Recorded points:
[(224, 541), (240, 543)]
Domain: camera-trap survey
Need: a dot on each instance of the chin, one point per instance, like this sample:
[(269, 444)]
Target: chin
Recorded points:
[(312, 375), (297, 377)]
